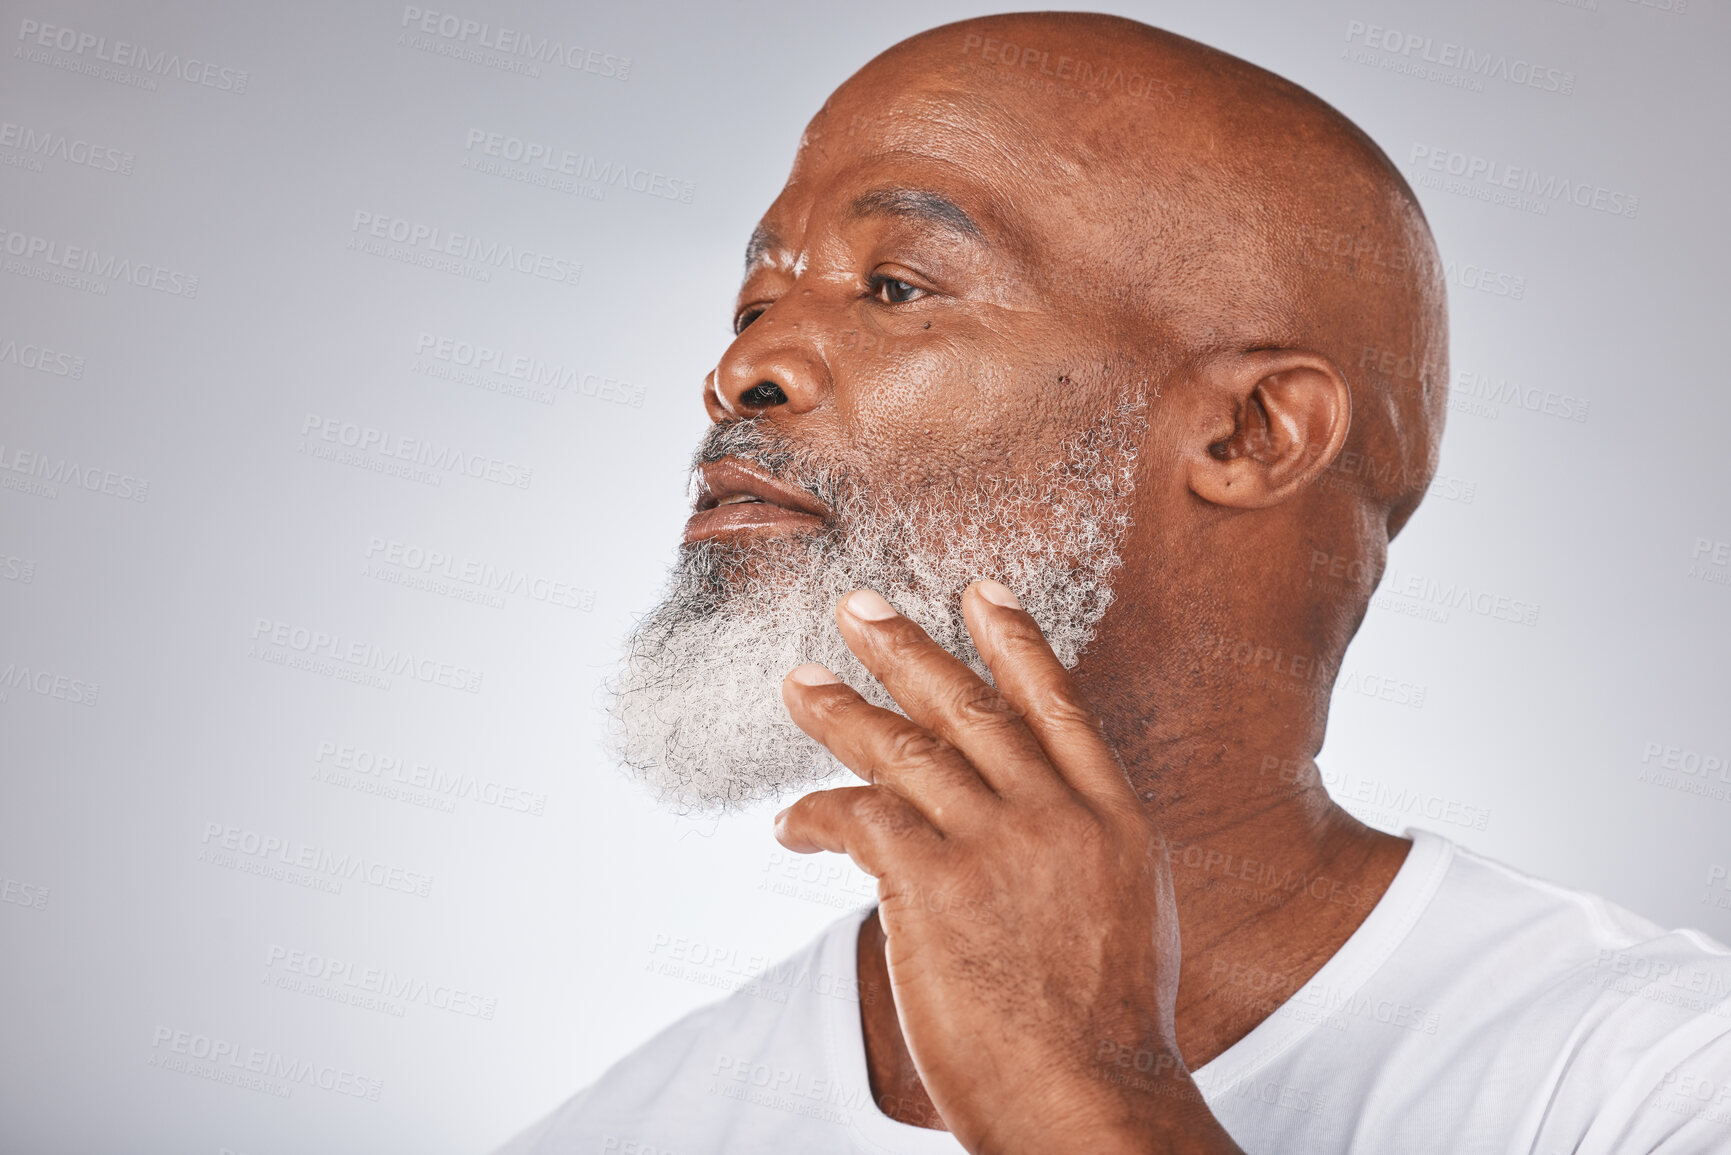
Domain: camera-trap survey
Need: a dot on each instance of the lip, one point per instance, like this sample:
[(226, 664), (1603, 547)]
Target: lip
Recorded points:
[(777, 507)]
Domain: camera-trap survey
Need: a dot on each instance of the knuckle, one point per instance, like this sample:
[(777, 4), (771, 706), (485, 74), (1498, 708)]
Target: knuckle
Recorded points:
[(838, 702), (825, 810), (886, 813), (1074, 826), (810, 808), (903, 642), (1061, 703), (1022, 633), (979, 705), (911, 747)]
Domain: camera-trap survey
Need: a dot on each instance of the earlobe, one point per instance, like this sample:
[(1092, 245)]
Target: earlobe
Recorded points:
[(1277, 419)]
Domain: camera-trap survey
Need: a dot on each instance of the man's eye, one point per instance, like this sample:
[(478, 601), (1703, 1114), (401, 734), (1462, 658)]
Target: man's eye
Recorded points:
[(745, 318), (894, 292)]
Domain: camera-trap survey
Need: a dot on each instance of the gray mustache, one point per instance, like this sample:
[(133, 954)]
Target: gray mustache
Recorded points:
[(752, 440)]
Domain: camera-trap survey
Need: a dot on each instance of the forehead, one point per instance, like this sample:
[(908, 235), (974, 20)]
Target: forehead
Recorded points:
[(915, 156), (889, 112)]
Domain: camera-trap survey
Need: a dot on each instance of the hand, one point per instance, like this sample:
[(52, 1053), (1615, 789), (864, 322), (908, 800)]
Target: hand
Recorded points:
[(1023, 888)]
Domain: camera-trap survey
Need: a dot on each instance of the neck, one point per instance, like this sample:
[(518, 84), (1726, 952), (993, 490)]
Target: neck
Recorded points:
[(1270, 875)]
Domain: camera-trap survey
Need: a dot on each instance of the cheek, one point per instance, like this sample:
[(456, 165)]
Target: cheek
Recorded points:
[(946, 410)]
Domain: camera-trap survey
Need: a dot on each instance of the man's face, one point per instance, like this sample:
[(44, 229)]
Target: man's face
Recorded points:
[(912, 402), (919, 297)]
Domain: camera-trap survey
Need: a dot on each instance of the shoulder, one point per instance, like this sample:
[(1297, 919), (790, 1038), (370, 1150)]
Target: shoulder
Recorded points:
[(1548, 931), (702, 1079), (1482, 1008), (1515, 940), (1619, 1028)]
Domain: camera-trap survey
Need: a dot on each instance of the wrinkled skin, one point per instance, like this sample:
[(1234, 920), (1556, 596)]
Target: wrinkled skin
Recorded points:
[(1057, 935), (1017, 978)]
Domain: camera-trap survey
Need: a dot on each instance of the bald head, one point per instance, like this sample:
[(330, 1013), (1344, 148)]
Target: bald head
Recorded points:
[(1198, 204), (1133, 326)]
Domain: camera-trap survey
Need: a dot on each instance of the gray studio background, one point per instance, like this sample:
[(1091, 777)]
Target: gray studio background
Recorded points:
[(336, 456)]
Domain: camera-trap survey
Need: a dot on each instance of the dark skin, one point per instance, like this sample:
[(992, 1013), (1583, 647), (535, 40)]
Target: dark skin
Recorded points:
[(1077, 868)]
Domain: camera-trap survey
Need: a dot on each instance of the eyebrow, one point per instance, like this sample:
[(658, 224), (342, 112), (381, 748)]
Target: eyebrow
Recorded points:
[(919, 204), (761, 244)]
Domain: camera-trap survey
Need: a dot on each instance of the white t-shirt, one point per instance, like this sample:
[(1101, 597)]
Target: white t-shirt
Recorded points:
[(1476, 1009)]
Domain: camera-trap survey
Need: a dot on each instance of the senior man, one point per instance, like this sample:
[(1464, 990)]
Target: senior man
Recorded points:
[(1068, 349)]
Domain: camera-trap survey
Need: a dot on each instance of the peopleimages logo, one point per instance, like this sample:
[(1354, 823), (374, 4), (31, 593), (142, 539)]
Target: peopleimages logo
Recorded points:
[(1387, 805), (1709, 561), (539, 378), (255, 1068), (1484, 280), (512, 42), (56, 363), (49, 145), (1503, 391), (36, 680), (533, 154), (418, 782), (341, 980), (407, 453), (296, 645), (43, 474), (17, 569), (255, 852), (23, 894), (89, 262), (483, 577), (1429, 598), (1528, 189), (123, 54), (1468, 62), (424, 244)]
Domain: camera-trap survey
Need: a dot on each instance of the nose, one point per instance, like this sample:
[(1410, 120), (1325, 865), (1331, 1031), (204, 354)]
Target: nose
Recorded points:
[(775, 364)]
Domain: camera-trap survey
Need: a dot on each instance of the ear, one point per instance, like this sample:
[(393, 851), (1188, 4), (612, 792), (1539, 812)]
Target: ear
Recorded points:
[(1272, 421)]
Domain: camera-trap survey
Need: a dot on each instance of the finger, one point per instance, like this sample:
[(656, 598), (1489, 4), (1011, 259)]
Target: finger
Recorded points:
[(885, 748), (880, 830), (1035, 682), (943, 695)]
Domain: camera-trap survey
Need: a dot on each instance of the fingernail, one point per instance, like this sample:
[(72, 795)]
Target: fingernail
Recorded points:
[(869, 606), (780, 814), (812, 674), (997, 593)]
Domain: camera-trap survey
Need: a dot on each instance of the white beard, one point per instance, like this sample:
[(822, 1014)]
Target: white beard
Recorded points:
[(696, 712)]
